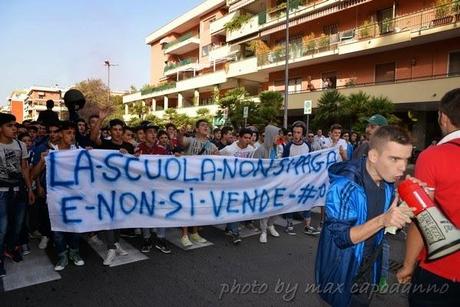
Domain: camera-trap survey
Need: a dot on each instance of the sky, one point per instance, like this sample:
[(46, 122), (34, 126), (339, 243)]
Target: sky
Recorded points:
[(49, 42)]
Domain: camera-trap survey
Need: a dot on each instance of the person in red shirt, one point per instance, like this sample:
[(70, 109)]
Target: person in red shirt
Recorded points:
[(148, 146), (438, 167), (162, 147)]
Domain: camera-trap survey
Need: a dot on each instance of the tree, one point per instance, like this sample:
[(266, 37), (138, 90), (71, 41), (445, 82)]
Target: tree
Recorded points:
[(269, 107), (140, 109), (351, 111), (180, 120), (204, 113), (234, 101), (118, 108), (329, 109), (95, 92), (260, 113)]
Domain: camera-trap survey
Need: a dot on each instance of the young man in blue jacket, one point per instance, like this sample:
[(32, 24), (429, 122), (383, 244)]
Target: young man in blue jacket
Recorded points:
[(348, 262)]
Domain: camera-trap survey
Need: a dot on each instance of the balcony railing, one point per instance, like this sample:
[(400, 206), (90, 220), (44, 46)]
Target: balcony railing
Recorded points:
[(189, 37), (415, 22), (172, 66), (297, 49), (158, 88)]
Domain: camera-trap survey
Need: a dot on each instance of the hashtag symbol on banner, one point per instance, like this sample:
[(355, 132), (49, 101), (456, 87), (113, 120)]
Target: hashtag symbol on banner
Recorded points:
[(308, 192)]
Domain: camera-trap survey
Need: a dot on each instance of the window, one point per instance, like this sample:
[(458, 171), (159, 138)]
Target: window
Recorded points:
[(332, 31), (205, 50), (454, 63), (329, 80), (385, 72), (385, 20)]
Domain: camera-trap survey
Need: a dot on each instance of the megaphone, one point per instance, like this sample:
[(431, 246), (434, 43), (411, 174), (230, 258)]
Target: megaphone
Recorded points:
[(441, 236), (74, 101)]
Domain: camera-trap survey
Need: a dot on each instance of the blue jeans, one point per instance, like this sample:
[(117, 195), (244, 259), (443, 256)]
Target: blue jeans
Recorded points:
[(62, 239), (290, 216), (233, 227), (12, 211)]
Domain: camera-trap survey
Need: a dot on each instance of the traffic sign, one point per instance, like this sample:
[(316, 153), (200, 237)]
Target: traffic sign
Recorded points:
[(307, 104)]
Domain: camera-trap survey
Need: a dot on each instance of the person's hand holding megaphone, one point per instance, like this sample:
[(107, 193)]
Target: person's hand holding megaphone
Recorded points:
[(397, 216)]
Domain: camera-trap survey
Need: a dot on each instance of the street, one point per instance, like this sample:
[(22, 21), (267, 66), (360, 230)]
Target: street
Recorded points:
[(278, 273)]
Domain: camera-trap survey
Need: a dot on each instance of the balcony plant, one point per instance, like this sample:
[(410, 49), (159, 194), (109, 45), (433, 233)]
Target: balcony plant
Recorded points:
[(456, 9), (442, 13), (324, 42), (309, 43), (261, 50), (365, 29), (278, 53), (237, 22), (386, 25)]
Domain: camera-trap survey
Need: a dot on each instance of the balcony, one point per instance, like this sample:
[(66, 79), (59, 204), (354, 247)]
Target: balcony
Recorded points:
[(243, 67), (223, 52), (201, 81), (277, 15), (191, 111), (218, 26), (183, 44), (410, 29), (249, 27), (299, 50), (184, 65), (234, 5), (401, 91)]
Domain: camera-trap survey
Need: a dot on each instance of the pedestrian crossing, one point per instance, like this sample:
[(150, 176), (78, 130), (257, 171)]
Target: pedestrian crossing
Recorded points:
[(36, 268), (134, 254), (173, 235), (244, 232)]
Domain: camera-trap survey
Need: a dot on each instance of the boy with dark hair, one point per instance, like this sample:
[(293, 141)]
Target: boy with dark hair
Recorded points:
[(360, 203), (242, 149), (15, 186), (296, 147), (64, 240), (198, 145), (117, 127)]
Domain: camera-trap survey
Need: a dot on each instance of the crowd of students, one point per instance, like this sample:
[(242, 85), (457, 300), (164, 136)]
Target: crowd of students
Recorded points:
[(23, 148)]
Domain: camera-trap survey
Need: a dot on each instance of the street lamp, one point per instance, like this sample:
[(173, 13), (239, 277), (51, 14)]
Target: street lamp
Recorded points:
[(286, 69), (108, 64)]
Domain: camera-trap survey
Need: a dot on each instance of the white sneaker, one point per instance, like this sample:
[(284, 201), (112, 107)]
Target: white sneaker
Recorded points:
[(111, 253), (120, 251), (195, 237), (43, 242), (272, 231), (263, 237), (95, 240), (185, 241)]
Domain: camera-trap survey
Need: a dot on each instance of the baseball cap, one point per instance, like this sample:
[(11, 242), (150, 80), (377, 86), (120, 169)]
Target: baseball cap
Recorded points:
[(378, 120)]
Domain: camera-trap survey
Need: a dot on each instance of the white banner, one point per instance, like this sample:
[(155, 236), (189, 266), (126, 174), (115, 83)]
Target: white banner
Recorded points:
[(101, 189)]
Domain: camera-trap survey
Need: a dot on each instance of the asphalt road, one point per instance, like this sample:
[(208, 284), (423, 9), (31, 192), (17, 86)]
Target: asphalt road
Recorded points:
[(252, 274)]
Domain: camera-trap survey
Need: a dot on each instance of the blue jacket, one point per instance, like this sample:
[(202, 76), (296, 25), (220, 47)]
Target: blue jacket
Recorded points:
[(338, 260)]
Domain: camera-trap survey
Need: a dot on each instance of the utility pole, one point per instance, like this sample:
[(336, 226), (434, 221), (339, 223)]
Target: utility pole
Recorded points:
[(108, 64), (286, 69)]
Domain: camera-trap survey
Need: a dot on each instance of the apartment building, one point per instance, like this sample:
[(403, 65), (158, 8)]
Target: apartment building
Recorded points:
[(406, 50), (27, 104)]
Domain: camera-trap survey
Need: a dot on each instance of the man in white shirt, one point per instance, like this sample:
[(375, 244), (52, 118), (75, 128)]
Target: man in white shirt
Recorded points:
[(240, 149)]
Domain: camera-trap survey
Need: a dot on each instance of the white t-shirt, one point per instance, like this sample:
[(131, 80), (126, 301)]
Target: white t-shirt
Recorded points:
[(297, 150), (236, 151), (340, 143)]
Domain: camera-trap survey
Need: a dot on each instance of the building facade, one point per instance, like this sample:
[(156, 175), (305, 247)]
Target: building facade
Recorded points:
[(407, 50), (27, 104)]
